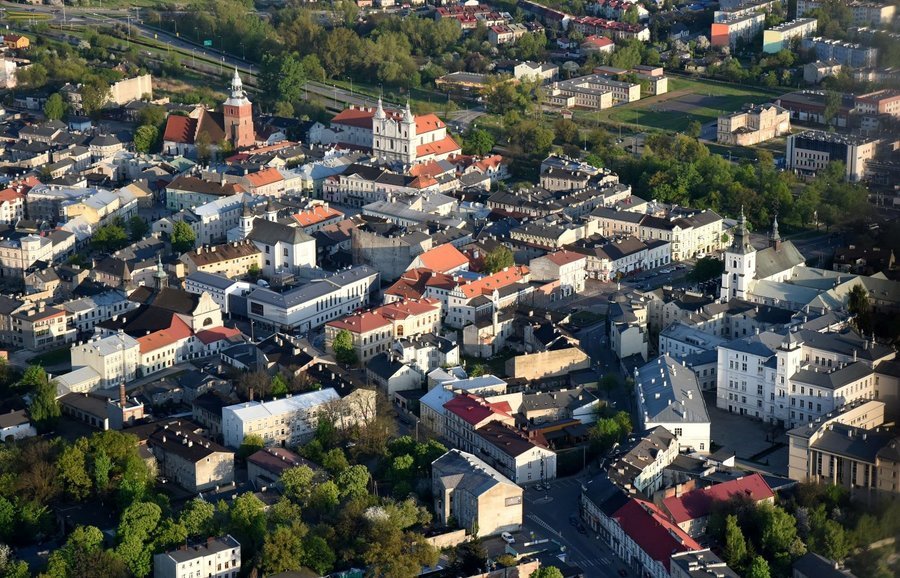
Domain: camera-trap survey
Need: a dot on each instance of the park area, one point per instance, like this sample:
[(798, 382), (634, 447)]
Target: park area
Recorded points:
[(687, 100)]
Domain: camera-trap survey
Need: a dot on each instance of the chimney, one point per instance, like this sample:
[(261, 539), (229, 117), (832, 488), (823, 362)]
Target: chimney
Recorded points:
[(122, 396)]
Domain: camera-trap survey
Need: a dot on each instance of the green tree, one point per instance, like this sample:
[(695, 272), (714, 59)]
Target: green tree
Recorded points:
[(44, 408), (546, 572), (55, 107), (498, 259), (7, 519), (197, 517), (282, 551), (145, 138), (73, 472), (136, 528), (343, 348), (693, 129), (834, 542), (109, 238), (478, 370), (469, 558), (759, 568), (102, 467), (335, 462), (832, 106), (183, 237), (318, 555), (707, 268), (735, 551), (858, 304), (95, 94), (325, 497), (153, 115), (254, 272), (297, 483), (138, 228), (247, 522), (252, 443), (353, 482), (279, 385), (478, 142)]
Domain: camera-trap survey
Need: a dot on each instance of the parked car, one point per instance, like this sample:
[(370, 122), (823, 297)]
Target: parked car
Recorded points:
[(508, 538)]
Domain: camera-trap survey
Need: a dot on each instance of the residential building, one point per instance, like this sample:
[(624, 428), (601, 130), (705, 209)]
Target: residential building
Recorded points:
[(848, 447), (465, 413), (753, 125), (811, 151), (373, 331), (432, 410), (779, 37), (590, 25), (628, 326), (313, 304), (215, 558), (479, 498), (691, 510), (189, 459), (849, 54), (284, 249), (213, 221), (568, 267), (641, 459), (519, 456), (16, 425), (700, 564), (115, 358), (468, 302), (264, 467), (40, 327), (730, 28), (293, 420), (668, 394), (188, 192), (20, 250), (444, 258), (864, 13), (228, 260), (541, 71), (84, 313), (812, 565), (317, 217), (680, 340), (16, 41), (816, 72), (559, 405)]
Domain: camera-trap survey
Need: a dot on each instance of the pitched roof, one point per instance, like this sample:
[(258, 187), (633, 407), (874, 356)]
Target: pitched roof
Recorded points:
[(360, 322), (443, 258), (264, 177), (180, 129), (271, 233), (197, 185), (218, 253), (208, 336), (443, 146), (649, 528), (770, 262), (316, 215), (176, 331), (564, 257), (474, 410), (497, 280), (698, 503)]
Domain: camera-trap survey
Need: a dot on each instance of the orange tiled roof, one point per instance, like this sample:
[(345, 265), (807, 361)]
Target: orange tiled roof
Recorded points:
[(564, 257), (208, 336), (498, 280), (443, 258), (176, 331), (429, 169), (404, 309), (180, 129), (317, 214), (264, 177), (11, 195), (444, 146), (360, 322)]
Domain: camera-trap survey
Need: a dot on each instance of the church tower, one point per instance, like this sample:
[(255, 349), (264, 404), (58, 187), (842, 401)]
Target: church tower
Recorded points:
[(775, 238), (238, 113), (408, 130), (740, 263), (246, 221)]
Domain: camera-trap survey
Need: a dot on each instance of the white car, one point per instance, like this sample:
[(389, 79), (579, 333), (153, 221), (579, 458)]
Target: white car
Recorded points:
[(508, 538)]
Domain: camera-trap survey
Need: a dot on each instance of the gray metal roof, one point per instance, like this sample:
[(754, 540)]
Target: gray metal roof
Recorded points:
[(459, 470), (836, 378), (669, 393), (215, 281)]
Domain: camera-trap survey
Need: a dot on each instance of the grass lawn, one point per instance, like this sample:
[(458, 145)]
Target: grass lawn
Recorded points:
[(586, 318), (54, 357), (686, 100), (495, 365)]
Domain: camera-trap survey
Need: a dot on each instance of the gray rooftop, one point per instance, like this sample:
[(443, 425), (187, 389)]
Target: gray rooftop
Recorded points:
[(669, 393), (459, 470)]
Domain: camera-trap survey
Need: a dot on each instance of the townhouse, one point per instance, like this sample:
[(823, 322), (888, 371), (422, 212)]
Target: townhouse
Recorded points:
[(230, 260)]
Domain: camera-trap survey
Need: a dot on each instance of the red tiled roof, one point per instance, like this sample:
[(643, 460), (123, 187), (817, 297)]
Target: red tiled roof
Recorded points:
[(652, 531), (428, 123), (443, 258), (404, 309), (698, 503), (180, 129), (316, 214), (429, 169), (439, 147), (176, 331), (498, 280), (413, 283), (360, 322), (564, 257), (208, 336), (264, 177), (421, 182), (598, 41), (474, 410), (11, 196), (360, 117)]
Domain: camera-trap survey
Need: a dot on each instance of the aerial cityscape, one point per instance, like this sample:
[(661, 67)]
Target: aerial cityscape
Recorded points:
[(449, 288)]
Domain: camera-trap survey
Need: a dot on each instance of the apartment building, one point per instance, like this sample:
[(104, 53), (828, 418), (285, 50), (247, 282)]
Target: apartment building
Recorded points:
[(568, 267), (189, 459), (478, 299), (780, 37), (668, 395), (478, 497), (19, 251), (229, 260), (84, 313), (315, 303), (212, 221), (214, 558), (374, 331), (293, 420), (284, 249), (589, 25), (115, 358), (40, 327), (846, 53), (864, 13), (734, 27), (753, 125), (811, 151), (641, 460), (187, 192), (628, 319), (514, 453), (699, 564), (691, 510)]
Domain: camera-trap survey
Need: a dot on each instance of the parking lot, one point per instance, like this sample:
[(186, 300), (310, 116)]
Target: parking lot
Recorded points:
[(748, 437)]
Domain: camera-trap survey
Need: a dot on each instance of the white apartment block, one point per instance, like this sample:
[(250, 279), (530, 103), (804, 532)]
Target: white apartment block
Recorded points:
[(86, 312), (792, 378), (668, 395), (215, 558), (864, 13), (116, 358), (212, 221)]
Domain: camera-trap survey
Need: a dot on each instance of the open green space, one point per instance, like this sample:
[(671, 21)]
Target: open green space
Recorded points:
[(54, 357), (686, 101)]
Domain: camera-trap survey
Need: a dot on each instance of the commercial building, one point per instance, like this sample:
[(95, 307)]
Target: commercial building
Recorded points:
[(214, 558), (479, 498), (229, 260), (811, 151), (753, 125), (642, 459), (668, 395), (779, 37), (315, 303)]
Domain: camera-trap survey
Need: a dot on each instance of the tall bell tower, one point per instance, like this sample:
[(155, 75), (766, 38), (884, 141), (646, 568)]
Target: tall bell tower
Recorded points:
[(238, 113), (740, 263)]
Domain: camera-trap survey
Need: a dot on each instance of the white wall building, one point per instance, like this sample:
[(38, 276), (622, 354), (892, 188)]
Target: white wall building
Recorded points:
[(668, 395), (215, 558), (115, 357)]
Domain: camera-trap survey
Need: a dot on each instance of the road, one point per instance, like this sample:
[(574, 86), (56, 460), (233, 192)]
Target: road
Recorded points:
[(547, 515)]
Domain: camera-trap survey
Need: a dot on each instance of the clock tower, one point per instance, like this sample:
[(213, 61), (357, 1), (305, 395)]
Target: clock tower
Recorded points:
[(238, 114)]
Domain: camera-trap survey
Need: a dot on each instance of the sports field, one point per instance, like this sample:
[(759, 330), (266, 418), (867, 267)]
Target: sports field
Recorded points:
[(686, 100)]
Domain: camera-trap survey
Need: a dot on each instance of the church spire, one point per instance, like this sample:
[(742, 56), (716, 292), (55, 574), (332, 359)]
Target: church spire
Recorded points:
[(776, 238), (741, 244), (379, 112), (407, 114)]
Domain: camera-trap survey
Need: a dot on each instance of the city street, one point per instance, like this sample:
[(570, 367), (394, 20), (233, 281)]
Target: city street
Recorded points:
[(547, 515)]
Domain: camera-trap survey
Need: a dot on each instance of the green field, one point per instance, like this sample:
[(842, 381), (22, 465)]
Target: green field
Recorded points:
[(686, 100)]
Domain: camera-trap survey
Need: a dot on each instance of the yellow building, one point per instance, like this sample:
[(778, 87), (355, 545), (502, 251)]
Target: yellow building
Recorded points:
[(230, 259)]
